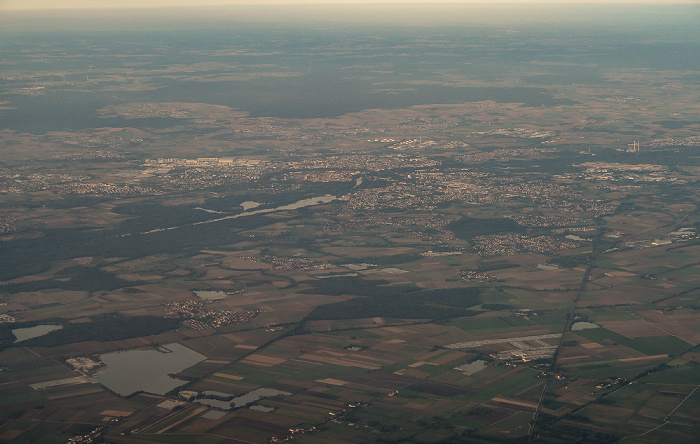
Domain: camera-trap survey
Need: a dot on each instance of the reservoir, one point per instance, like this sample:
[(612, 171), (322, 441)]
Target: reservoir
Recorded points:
[(128, 372)]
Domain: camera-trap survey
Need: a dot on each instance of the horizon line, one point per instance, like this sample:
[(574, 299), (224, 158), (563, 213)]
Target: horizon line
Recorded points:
[(34, 5)]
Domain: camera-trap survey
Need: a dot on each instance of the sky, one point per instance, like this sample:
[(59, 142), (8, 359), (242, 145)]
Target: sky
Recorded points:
[(81, 4), (105, 15)]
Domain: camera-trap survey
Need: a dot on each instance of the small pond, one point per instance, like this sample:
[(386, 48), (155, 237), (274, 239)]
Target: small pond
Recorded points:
[(249, 205), (577, 238), (215, 403), (256, 395)]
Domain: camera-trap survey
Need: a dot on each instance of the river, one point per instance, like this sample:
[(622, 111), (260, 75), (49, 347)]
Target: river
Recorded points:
[(294, 206)]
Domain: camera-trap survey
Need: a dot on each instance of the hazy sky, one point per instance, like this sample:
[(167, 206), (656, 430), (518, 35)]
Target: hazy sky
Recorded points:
[(71, 4)]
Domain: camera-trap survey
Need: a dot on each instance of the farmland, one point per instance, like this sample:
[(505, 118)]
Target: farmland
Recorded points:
[(384, 243)]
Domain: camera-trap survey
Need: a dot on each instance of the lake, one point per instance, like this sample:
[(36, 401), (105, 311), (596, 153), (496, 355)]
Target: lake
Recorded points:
[(227, 401), (128, 372), (22, 334)]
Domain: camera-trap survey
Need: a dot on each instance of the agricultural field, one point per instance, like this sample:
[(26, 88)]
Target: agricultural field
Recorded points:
[(403, 235)]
